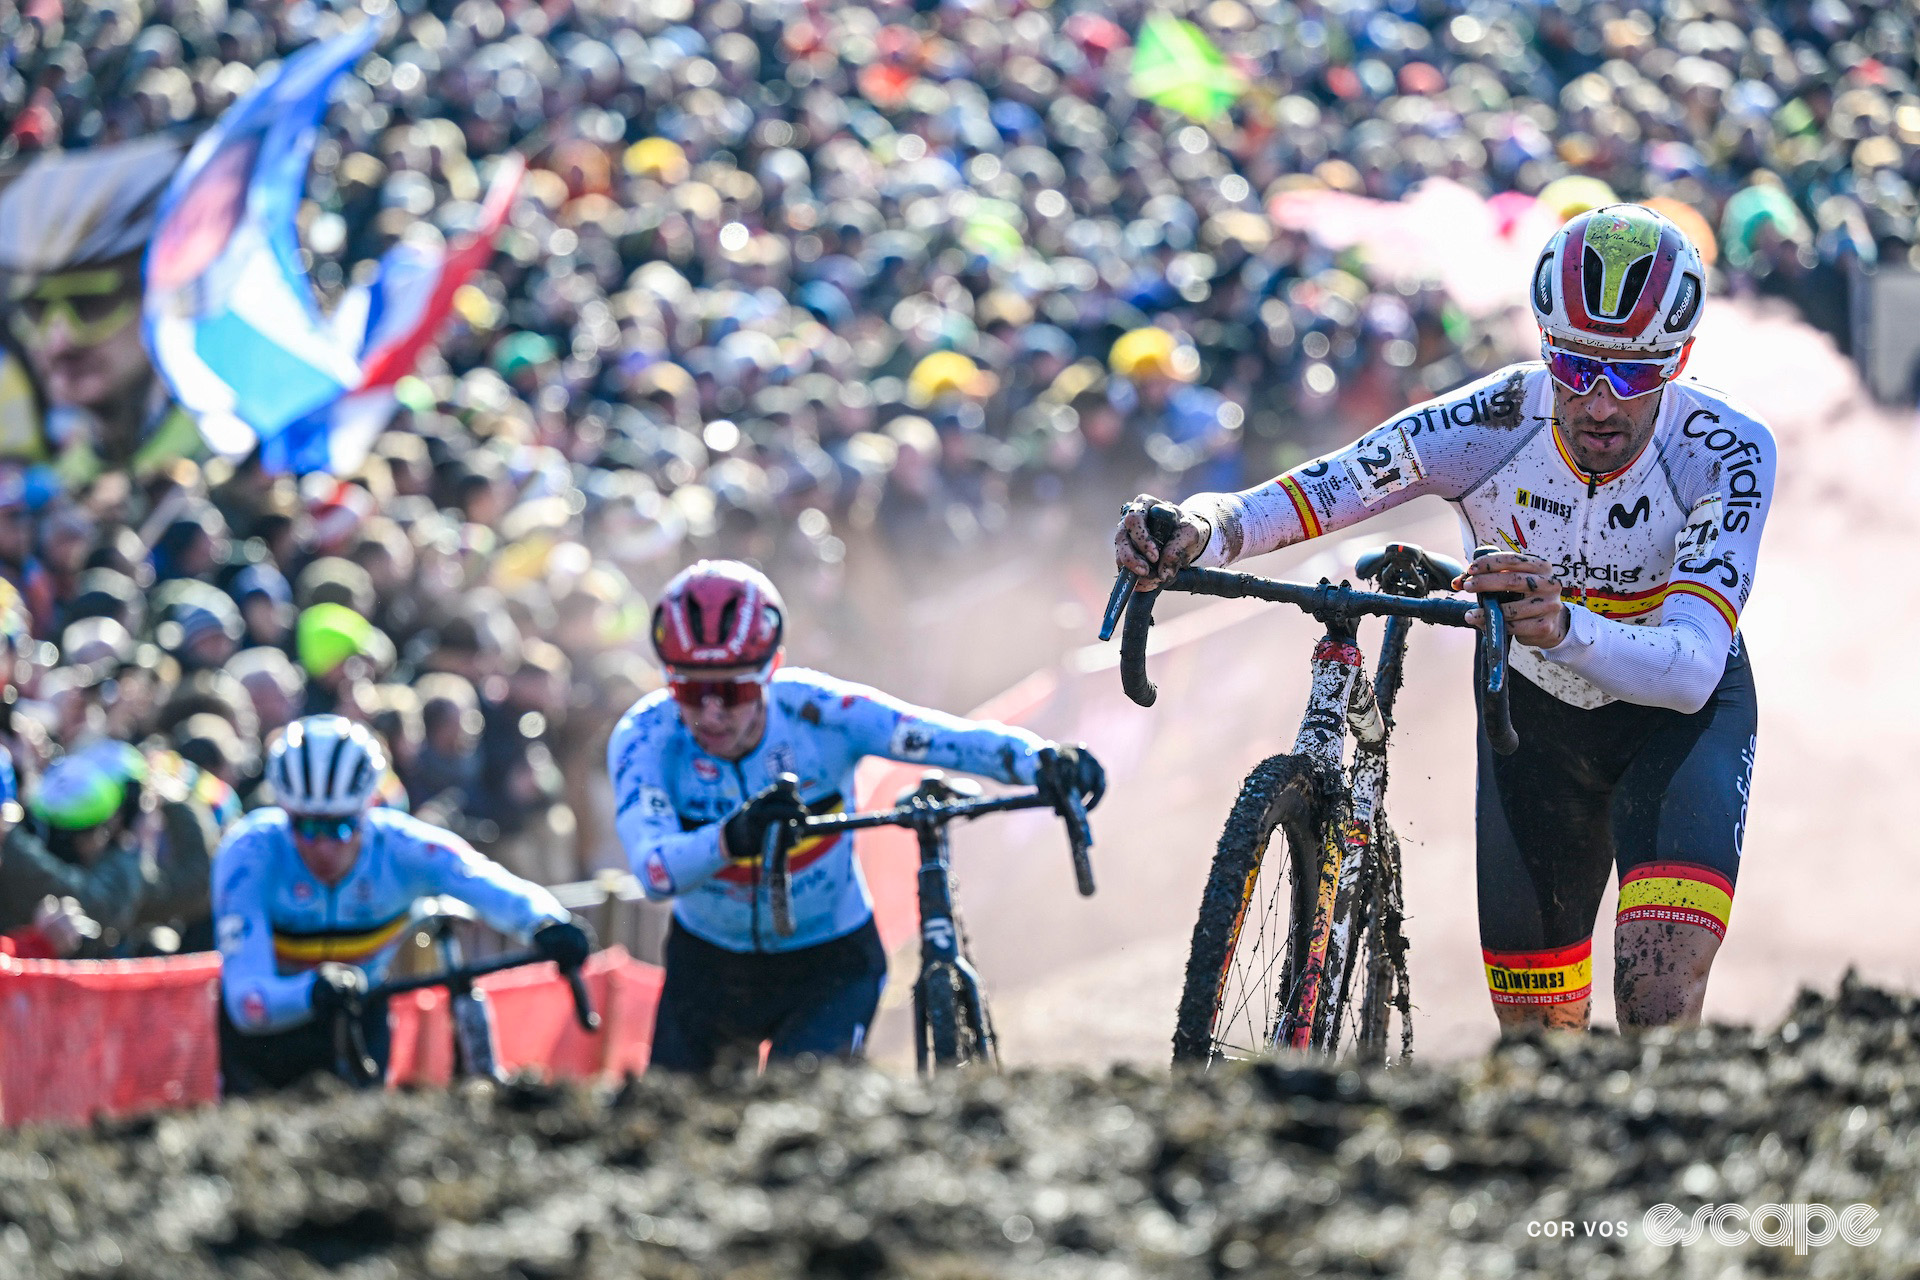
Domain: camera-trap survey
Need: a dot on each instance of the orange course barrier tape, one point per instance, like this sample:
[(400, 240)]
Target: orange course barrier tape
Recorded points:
[(87, 1038)]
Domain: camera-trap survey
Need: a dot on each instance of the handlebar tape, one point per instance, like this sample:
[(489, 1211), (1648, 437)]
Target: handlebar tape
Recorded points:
[(1133, 649)]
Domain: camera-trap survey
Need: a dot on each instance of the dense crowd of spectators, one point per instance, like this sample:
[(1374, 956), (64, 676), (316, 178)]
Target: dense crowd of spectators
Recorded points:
[(804, 282)]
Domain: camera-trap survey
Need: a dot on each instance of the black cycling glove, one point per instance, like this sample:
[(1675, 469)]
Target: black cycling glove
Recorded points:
[(745, 833), (565, 943), (1066, 771), (337, 988)]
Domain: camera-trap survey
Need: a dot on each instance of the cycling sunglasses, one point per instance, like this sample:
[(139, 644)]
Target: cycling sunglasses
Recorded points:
[(338, 829), (93, 305), (691, 692), (1629, 379)]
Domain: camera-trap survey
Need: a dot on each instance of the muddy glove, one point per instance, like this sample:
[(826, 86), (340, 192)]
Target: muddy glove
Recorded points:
[(1070, 771), (745, 835), (337, 988), (565, 943)]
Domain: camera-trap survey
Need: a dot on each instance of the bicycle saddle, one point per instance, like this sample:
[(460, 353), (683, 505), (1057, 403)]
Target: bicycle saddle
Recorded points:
[(1403, 569)]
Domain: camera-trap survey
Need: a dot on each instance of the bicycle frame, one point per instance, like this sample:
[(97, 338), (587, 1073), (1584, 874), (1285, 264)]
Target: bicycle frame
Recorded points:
[(1340, 692), (477, 1049), (927, 810), (1340, 701)]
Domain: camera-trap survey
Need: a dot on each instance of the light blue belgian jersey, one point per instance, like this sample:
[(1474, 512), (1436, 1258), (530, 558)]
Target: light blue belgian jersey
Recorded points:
[(673, 798), (276, 922)]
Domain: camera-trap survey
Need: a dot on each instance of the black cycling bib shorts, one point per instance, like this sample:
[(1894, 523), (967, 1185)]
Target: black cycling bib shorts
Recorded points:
[(817, 1000), (1658, 794)]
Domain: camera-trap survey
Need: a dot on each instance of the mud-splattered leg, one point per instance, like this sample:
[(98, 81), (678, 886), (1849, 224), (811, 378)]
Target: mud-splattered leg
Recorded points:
[(1552, 988), (1660, 972), (1571, 1016)]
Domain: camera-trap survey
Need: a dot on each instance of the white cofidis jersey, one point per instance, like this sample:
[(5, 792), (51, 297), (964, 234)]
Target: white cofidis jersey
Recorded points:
[(1655, 560), (275, 922), (673, 799)]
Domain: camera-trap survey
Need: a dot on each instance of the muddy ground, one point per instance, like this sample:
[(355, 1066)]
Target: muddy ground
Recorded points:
[(1277, 1168)]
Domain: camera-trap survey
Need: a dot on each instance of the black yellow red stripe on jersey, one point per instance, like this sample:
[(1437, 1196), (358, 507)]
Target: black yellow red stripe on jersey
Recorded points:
[(807, 851), (295, 951)]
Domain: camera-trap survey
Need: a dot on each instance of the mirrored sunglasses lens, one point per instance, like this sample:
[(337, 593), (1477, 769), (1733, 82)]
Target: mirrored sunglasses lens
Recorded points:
[(1575, 373), (731, 693), (1632, 378), (1629, 379), (323, 828)]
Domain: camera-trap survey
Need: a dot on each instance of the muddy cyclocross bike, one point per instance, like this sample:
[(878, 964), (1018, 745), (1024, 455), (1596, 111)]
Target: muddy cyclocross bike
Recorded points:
[(476, 1045), (1307, 951), (952, 1027)]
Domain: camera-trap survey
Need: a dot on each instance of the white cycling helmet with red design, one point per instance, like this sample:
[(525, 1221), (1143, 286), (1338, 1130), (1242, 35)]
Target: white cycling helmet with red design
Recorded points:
[(1621, 277), (719, 613)]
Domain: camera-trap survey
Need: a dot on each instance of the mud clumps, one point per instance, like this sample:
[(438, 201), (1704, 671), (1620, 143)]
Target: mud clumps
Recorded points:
[(1280, 1167)]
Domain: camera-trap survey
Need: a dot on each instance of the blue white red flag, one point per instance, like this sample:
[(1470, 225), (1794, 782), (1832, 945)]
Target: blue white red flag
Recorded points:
[(230, 317)]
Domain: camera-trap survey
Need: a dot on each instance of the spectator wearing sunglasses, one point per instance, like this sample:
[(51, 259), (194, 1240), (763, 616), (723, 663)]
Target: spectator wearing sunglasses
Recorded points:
[(73, 227), (311, 898), (1629, 506), (694, 769)]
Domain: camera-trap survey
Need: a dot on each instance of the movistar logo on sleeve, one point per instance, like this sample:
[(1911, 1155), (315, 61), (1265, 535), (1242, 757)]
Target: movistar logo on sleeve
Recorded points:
[(1528, 498)]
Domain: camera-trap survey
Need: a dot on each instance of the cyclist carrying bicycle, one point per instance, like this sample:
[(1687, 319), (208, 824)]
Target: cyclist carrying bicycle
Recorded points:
[(1630, 506), (694, 767), (311, 899)]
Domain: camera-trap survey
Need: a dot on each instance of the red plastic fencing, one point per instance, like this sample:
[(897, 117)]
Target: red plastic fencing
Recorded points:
[(533, 1018), (85, 1038)]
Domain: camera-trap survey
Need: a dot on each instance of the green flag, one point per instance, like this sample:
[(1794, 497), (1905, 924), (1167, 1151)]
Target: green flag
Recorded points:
[(1176, 66)]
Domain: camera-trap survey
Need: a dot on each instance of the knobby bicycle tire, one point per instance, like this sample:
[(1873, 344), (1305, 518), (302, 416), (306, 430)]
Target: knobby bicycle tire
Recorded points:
[(1368, 967), (1283, 793), (1385, 989), (979, 1046), (951, 1029)]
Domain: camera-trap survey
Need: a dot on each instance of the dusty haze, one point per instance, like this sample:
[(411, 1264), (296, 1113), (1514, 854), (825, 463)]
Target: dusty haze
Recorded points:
[(1828, 875)]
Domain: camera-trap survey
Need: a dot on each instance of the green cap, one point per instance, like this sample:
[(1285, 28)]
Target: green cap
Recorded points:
[(328, 634), (77, 793)]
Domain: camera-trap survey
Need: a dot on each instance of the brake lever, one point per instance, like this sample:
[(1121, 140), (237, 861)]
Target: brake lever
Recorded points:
[(1123, 585), (351, 1061), (1496, 713), (1080, 840), (778, 843), (582, 1002), (1163, 521)]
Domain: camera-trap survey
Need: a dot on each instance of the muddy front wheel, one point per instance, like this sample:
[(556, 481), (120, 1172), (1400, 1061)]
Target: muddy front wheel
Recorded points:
[(1254, 916)]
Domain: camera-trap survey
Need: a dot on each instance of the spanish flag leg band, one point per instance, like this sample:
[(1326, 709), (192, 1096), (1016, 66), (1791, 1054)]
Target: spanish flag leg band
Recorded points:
[(1677, 892), (1560, 976)]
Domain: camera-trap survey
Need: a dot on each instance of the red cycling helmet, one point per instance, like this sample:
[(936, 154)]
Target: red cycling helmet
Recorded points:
[(719, 613)]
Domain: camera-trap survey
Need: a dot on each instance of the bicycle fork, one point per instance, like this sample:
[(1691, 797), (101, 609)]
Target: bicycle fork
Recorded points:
[(476, 1049), (946, 997)]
